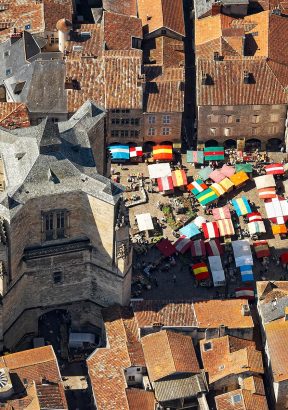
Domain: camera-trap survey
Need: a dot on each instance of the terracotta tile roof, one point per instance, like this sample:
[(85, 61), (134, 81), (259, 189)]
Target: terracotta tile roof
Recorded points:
[(92, 45), (119, 30), (164, 89), (214, 313), (230, 356), (227, 85), (166, 312), (113, 81), (277, 336), (167, 353), (163, 51), (156, 14), (51, 396), (106, 365), (55, 10), (248, 401), (140, 399), (128, 7), (268, 291), (13, 115), (254, 384)]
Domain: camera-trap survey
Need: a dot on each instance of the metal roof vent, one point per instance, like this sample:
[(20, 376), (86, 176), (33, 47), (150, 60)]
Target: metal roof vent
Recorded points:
[(6, 387)]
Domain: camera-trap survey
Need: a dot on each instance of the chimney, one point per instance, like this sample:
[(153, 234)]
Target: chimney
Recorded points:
[(216, 9), (245, 310), (222, 330)]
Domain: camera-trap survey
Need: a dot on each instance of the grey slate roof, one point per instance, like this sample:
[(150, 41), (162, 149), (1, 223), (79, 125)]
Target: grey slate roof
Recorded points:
[(52, 159), (179, 388), (274, 310)]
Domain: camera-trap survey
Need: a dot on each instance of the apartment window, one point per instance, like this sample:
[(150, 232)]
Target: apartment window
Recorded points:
[(115, 121), (227, 119), (274, 117), (114, 133), (8, 71), (131, 378), (136, 42), (57, 277), (214, 118), (227, 132), (237, 119), (166, 119), (134, 133), (255, 119), (151, 131), (166, 131), (152, 119), (124, 133), (124, 111), (212, 131), (135, 121), (273, 129), (255, 131), (124, 121), (55, 224), (7, 53)]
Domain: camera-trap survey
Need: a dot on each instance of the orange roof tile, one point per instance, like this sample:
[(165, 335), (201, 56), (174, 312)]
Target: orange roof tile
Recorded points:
[(13, 115), (277, 336), (156, 14), (92, 45), (119, 30), (55, 10), (229, 355), (228, 312), (248, 401), (128, 7), (167, 353), (165, 51), (140, 399)]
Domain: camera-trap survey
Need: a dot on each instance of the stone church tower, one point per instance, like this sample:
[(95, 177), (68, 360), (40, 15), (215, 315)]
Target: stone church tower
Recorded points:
[(63, 227)]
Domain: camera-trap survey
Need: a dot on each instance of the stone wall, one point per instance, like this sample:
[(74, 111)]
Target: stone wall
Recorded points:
[(174, 125)]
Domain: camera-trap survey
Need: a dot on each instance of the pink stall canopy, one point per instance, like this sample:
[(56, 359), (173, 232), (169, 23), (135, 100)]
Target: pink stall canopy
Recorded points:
[(210, 230), (182, 244), (214, 248), (198, 248), (227, 170), (221, 213), (216, 176)]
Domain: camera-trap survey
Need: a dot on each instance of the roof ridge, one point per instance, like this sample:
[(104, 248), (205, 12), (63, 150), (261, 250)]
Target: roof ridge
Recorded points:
[(275, 62), (166, 334)]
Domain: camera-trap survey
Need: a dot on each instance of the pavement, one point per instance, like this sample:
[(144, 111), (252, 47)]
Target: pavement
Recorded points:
[(177, 282)]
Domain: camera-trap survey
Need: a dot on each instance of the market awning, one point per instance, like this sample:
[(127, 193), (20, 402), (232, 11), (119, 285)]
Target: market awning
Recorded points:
[(159, 170), (226, 227), (165, 184), (207, 196), (221, 213), (136, 152), (204, 173), (210, 230), (144, 222), (197, 186), (162, 152), (247, 273), (196, 157), (119, 152), (200, 271), (218, 189), (279, 229), (182, 244), (275, 169), (244, 167), (189, 230), (277, 210), (179, 178), (166, 247), (217, 271), (242, 253), (213, 153), (239, 178), (241, 206), (199, 221), (264, 181), (267, 193), (245, 292), (254, 217), (198, 248), (213, 247), (216, 176), (226, 184), (227, 170), (261, 249), (256, 227)]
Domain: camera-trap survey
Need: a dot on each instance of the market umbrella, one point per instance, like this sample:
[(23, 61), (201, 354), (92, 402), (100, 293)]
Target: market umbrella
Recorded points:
[(226, 227), (197, 186), (189, 230), (200, 271)]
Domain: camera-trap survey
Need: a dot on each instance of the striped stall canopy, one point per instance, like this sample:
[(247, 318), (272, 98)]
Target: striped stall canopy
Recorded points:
[(218, 189), (206, 196), (261, 249), (254, 217), (226, 227), (277, 210), (195, 156), (221, 213), (246, 273), (162, 152), (136, 152), (119, 152), (256, 227), (182, 244), (226, 184), (275, 169), (165, 184), (200, 271), (241, 206), (210, 230), (213, 153), (198, 248), (244, 292), (214, 247), (267, 193), (197, 186), (179, 178), (264, 181)]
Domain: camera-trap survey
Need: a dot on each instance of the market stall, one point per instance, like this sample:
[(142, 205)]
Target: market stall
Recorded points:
[(227, 185), (210, 230), (183, 244), (227, 170), (179, 178), (159, 170), (217, 270), (214, 153), (189, 230), (221, 213), (242, 253), (206, 197), (200, 271), (197, 186), (226, 227), (162, 153), (204, 173), (265, 185), (165, 184), (239, 179), (214, 248), (218, 189), (277, 210), (247, 273), (241, 206), (119, 152), (216, 176), (166, 247), (198, 248), (279, 229), (199, 221), (261, 249), (144, 222), (256, 227), (248, 168), (196, 157), (274, 169), (245, 292)]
